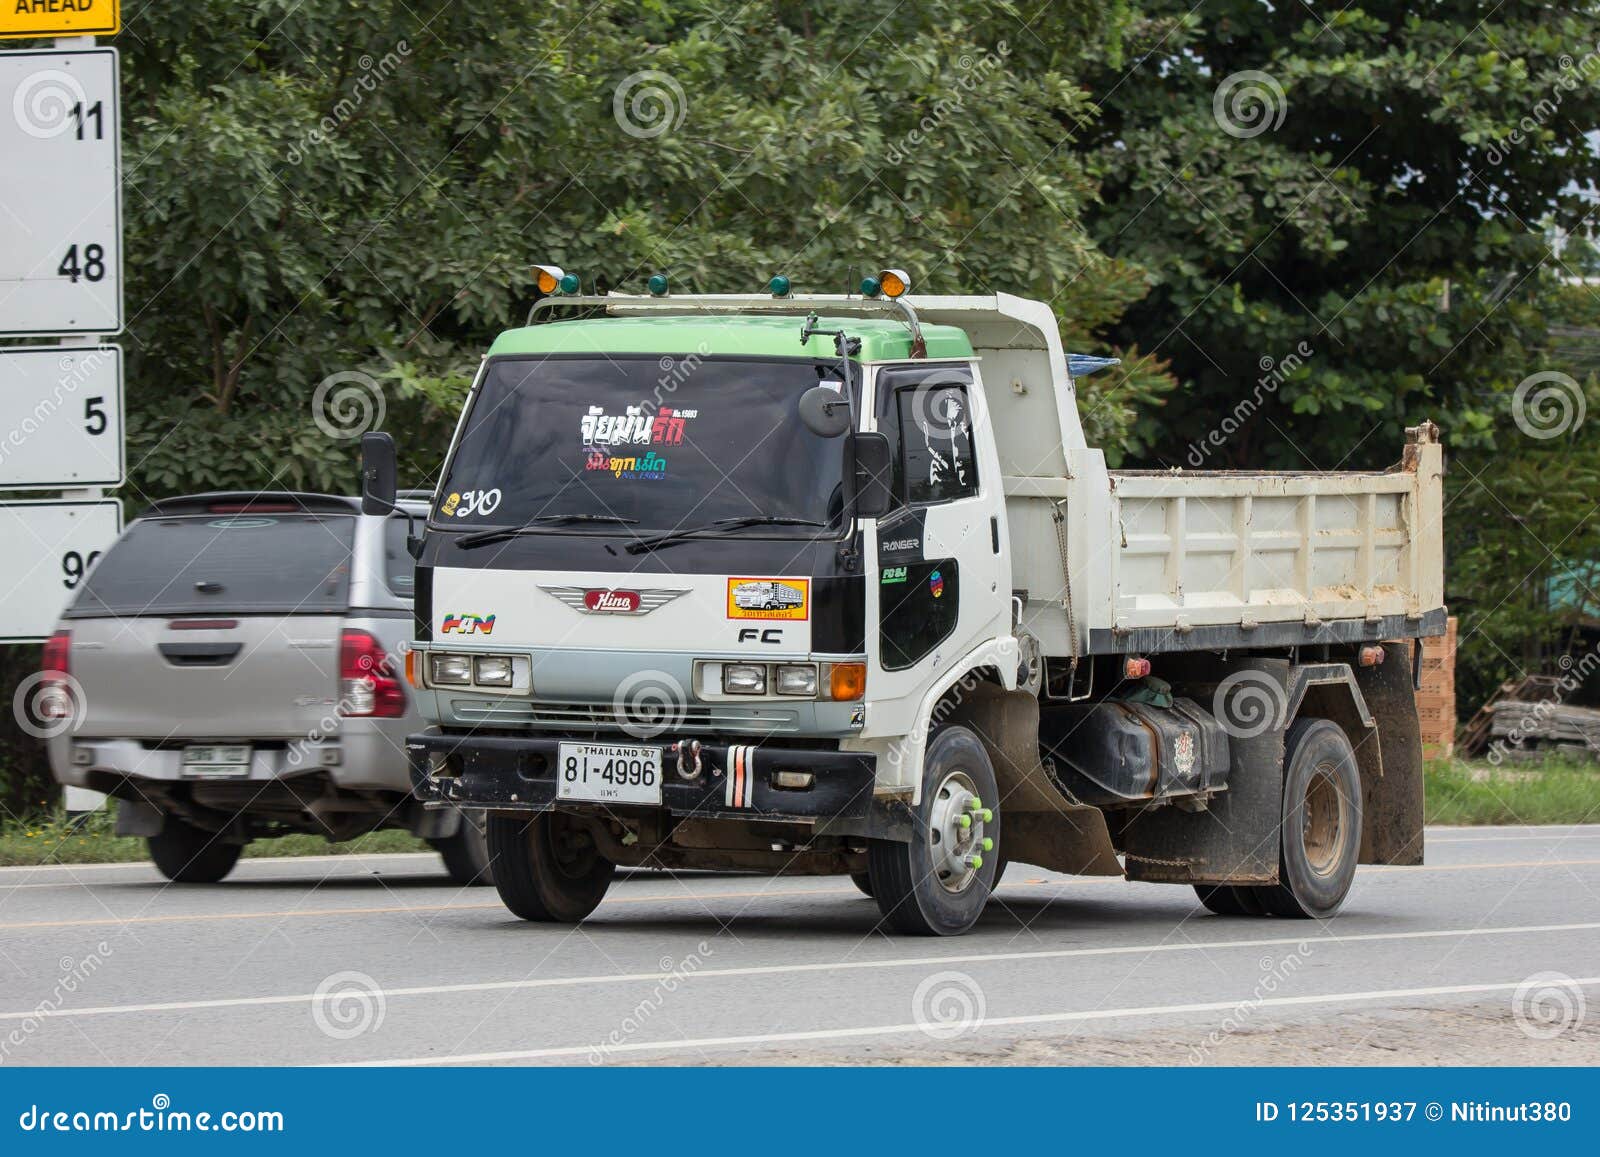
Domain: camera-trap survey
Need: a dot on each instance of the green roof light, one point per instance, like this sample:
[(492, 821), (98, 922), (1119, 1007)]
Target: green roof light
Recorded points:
[(568, 283), (779, 286), (870, 287), (658, 285)]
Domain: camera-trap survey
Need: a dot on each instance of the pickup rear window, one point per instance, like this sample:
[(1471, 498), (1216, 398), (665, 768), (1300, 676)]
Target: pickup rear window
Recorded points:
[(236, 563)]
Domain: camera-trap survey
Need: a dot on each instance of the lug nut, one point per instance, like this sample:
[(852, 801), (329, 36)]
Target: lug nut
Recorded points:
[(974, 862), (986, 816), (988, 844), (964, 821)]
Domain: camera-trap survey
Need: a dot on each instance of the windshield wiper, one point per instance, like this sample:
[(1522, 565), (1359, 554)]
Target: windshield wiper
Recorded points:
[(496, 533), (721, 525)]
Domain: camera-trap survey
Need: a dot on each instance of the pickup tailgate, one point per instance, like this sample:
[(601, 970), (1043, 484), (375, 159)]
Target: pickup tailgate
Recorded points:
[(214, 626), (266, 676)]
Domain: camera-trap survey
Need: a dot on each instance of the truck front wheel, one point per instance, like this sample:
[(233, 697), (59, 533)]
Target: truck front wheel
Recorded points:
[(547, 868), (937, 884)]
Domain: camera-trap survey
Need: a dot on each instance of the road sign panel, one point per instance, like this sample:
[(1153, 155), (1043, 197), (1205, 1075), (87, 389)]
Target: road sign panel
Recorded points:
[(60, 417), (60, 193), (48, 548), (60, 18)]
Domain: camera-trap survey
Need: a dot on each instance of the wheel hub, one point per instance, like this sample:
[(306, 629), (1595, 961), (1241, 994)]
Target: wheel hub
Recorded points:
[(956, 843)]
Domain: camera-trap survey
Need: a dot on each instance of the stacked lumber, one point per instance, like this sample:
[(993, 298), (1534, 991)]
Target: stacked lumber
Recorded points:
[(1436, 697), (1532, 728), (1528, 690)]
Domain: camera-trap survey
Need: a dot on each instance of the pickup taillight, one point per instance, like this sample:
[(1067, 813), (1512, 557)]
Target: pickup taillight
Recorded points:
[(58, 654), (368, 683)]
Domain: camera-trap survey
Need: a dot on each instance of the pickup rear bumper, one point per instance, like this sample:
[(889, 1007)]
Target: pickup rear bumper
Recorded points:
[(504, 773)]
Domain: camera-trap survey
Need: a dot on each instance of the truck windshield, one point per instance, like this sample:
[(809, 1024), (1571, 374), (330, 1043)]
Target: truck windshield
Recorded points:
[(633, 446)]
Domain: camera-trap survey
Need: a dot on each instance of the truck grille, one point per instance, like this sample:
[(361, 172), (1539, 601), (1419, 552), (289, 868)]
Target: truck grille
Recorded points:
[(603, 716)]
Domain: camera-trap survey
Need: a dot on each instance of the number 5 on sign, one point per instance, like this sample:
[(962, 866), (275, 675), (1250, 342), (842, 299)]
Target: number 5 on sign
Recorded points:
[(60, 193), (49, 548), (60, 417)]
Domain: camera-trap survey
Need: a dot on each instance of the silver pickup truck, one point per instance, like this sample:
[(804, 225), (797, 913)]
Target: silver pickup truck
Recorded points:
[(234, 669)]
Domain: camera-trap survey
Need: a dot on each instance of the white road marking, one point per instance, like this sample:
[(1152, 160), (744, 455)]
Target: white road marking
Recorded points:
[(825, 966), (824, 1034)]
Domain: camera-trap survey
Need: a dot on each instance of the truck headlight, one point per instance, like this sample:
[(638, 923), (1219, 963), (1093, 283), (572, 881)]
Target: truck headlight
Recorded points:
[(744, 679), (795, 679), (450, 669), (493, 670)]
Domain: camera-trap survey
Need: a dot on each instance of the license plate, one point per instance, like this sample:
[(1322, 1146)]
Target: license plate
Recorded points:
[(609, 773), (217, 761)]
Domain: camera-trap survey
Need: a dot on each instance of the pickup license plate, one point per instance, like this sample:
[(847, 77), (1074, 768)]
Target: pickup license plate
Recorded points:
[(609, 773), (217, 761)]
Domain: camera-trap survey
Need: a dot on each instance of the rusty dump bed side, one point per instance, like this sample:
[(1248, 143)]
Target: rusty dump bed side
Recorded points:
[(1183, 560)]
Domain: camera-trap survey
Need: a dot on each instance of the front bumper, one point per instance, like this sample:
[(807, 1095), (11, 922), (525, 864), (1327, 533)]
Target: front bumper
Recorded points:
[(519, 774)]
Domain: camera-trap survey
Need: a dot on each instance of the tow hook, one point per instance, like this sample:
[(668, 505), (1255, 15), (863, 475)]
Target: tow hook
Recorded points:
[(688, 753)]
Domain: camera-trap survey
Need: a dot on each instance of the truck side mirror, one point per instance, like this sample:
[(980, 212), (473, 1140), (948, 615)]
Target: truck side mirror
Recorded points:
[(378, 474), (825, 411), (870, 459)]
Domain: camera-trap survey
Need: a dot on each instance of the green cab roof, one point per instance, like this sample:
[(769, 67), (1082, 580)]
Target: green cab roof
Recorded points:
[(727, 335)]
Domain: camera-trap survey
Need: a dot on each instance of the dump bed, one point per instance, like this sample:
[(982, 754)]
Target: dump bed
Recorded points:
[(1180, 560)]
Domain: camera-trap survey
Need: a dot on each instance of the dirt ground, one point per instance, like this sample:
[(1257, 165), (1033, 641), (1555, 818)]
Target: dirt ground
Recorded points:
[(1484, 1034)]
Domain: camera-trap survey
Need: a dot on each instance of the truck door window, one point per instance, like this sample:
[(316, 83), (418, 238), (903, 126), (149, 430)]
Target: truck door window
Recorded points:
[(929, 419)]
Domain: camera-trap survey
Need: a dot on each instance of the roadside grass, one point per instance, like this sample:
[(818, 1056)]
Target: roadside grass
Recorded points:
[(1556, 791), (1459, 792), (54, 838)]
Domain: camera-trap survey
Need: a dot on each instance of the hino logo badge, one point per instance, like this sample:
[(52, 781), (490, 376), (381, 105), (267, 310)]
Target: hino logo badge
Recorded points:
[(600, 601)]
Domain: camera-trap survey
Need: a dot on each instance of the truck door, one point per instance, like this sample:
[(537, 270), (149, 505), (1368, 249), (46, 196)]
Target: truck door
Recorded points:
[(932, 588)]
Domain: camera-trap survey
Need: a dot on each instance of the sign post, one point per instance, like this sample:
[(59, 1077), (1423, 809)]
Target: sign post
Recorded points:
[(61, 413)]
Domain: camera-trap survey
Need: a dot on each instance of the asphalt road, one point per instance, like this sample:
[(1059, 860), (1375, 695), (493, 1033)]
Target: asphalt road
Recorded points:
[(1489, 953)]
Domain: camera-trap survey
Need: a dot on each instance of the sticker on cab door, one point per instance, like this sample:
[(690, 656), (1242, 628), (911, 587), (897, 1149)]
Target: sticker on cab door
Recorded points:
[(750, 598)]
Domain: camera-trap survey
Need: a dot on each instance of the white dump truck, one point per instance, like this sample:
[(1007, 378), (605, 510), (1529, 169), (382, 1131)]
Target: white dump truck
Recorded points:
[(833, 584)]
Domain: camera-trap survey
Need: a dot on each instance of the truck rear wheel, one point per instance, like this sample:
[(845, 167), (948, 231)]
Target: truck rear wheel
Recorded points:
[(937, 884), (186, 854), (1321, 839), (547, 868), (1321, 823), (863, 881)]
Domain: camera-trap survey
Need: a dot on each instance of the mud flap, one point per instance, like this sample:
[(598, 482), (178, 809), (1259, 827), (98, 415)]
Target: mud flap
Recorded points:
[(1040, 825), (1236, 839), (1392, 792)]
